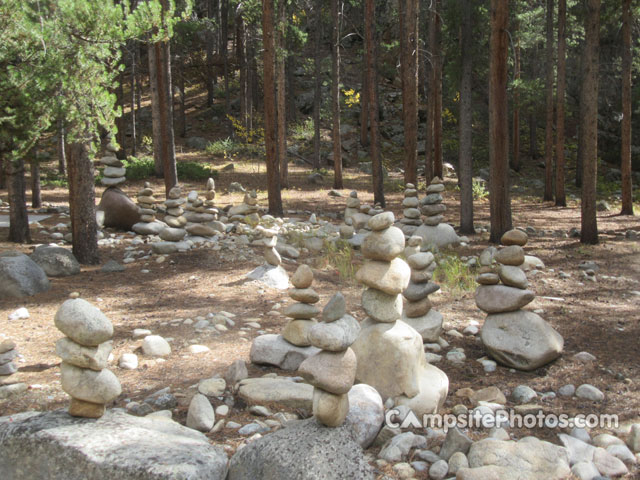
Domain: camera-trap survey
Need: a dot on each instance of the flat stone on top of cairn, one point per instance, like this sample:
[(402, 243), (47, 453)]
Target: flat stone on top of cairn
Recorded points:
[(514, 337), (114, 171), (84, 352)]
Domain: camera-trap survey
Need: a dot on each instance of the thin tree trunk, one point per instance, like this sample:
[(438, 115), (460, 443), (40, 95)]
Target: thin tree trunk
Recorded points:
[(281, 103), (138, 54), (155, 110), (209, 39), (625, 161), (335, 94), (18, 217), (533, 135), (409, 75), (589, 122), (317, 90), (364, 109), (120, 121), (224, 27), (548, 138), (500, 202), (270, 127), (82, 203), (241, 34), (437, 104), (183, 100), (36, 197), (61, 147), (465, 159), (374, 144), (134, 135), (290, 68), (3, 174), (515, 155), (561, 200)]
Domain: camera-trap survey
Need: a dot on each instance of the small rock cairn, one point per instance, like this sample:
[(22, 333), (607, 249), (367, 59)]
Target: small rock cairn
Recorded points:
[(414, 245), (303, 312), (417, 310), (84, 352), (432, 206), (271, 255), (514, 337), (332, 371), (174, 217), (197, 217), (209, 205), (7, 353), (114, 170), (147, 204), (353, 205), (411, 213), (248, 208)]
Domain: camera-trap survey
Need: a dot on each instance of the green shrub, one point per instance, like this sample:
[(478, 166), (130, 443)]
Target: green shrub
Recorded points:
[(340, 257), (139, 168), (55, 180), (195, 171), (455, 274)]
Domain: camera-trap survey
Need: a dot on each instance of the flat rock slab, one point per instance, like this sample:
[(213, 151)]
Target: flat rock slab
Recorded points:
[(275, 277), (4, 219), (57, 446), (272, 349), (258, 391)]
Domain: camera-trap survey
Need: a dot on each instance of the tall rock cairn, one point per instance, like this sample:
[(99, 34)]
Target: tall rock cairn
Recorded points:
[(84, 352), (514, 337), (302, 312), (432, 207), (197, 217), (147, 204), (8, 352), (411, 213), (210, 195), (174, 202), (114, 171), (332, 371), (417, 310)]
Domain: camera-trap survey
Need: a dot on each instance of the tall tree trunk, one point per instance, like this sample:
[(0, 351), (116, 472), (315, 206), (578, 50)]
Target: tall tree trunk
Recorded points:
[(155, 110), (209, 39), (500, 202), (437, 103), (589, 122), (61, 147), (270, 126), (317, 89), (465, 159), (372, 83), (18, 217), (290, 68), (224, 50), (533, 135), (430, 94), (138, 54), (241, 49), (561, 200), (3, 174), (251, 76), (281, 104), (364, 108), (335, 94), (183, 99), (515, 155), (82, 203), (409, 75), (625, 161), (548, 138), (36, 197), (121, 121)]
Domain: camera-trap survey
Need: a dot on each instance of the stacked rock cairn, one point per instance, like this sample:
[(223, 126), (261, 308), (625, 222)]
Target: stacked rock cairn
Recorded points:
[(432, 207), (84, 352), (332, 371), (174, 216), (353, 205), (390, 355), (209, 205), (417, 310), (303, 312), (147, 204), (114, 170), (514, 337), (197, 217), (271, 255), (411, 213), (7, 353)]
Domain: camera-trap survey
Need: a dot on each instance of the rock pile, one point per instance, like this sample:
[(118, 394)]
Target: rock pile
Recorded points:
[(7, 353), (209, 204), (434, 233), (411, 213), (248, 208), (271, 255), (332, 371), (417, 310), (389, 352), (147, 204), (355, 214), (514, 337), (84, 352), (197, 216), (303, 312), (174, 216), (114, 171)]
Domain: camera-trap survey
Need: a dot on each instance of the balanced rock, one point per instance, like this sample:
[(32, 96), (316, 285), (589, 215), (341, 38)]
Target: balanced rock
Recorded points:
[(390, 277), (331, 371), (89, 385), (83, 323), (500, 298)]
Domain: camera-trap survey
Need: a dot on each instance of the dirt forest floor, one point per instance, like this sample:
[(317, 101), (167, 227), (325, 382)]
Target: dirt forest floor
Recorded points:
[(599, 317)]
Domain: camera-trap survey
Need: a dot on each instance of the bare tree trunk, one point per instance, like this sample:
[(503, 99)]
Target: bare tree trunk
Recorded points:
[(589, 122), (183, 100), (241, 55), (533, 135), (500, 202), (515, 156), (465, 159), (409, 74), (561, 200), (3, 174), (155, 110), (211, 13), (281, 104), (138, 54), (120, 121), (437, 103), (364, 109), (224, 50), (335, 94), (61, 147), (251, 77), (270, 126), (18, 217), (82, 203), (548, 139), (625, 161), (317, 90), (36, 197), (290, 68), (372, 73)]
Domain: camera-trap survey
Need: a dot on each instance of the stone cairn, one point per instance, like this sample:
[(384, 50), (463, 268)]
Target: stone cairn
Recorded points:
[(7, 353), (209, 205), (114, 170), (514, 337), (432, 206), (303, 312), (356, 214), (271, 255), (417, 310), (389, 352), (332, 371), (353, 205), (174, 217), (248, 208), (433, 231), (147, 204), (197, 216), (84, 352), (411, 213)]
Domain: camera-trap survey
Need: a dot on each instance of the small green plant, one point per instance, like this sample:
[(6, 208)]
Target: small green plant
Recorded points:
[(479, 190), (302, 131), (340, 256), (139, 168), (55, 180), (147, 143), (195, 171), (222, 147), (455, 274)]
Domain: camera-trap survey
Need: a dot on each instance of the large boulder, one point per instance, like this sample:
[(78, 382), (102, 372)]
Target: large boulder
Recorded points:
[(20, 276), (56, 261), (441, 236), (57, 446), (119, 211), (429, 326), (305, 450), (366, 413)]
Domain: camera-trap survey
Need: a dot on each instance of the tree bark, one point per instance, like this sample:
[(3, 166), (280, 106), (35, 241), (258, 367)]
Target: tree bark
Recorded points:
[(224, 50), (364, 108), (317, 89), (335, 94), (209, 39), (625, 161), (548, 139), (465, 159), (409, 75), (18, 217), (281, 104), (183, 99), (134, 135), (61, 147), (3, 174), (374, 141), (120, 121), (500, 202), (270, 126), (589, 122), (561, 200), (82, 205), (36, 197), (437, 103), (515, 155), (155, 111)]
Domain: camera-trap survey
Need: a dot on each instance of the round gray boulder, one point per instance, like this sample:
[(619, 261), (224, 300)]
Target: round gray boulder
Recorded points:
[(56, 261), (20, 276)]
